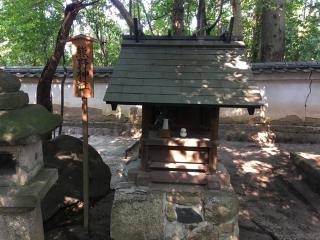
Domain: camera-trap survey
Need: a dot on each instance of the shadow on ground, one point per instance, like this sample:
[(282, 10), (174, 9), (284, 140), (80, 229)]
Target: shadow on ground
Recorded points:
[(275, 201)]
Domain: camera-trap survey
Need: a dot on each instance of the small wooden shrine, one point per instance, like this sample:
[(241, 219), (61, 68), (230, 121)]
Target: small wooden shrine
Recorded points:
[(182, 82)]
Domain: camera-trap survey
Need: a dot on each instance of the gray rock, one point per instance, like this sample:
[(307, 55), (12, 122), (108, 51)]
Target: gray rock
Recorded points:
[(184, 198), (220, 206), (137, 216), (204, 231), (65, 154), (99, 221), (170, 212), (175, 231), (9, 83)]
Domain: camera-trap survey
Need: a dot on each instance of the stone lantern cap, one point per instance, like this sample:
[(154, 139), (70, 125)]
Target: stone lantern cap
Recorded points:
[(20, 121)]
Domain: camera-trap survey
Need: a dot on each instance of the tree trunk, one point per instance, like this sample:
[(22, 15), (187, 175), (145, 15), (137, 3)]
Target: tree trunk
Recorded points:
[(256, 38), (201, 18), (44, 84), (124, 13), (219, 7), (177, 18), (273, 32), (65, 75), (237, 26)]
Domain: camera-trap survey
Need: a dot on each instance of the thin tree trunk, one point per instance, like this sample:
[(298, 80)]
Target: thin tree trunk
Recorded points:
[(219, 3), (65, 74), (177, 18), (44, 84), (256, 38), (147, 17), (237, 26), (201, 18), (273, 32), (124, 13)]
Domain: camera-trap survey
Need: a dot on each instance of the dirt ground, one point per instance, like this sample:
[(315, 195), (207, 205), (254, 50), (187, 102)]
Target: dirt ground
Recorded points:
[(275, 201)]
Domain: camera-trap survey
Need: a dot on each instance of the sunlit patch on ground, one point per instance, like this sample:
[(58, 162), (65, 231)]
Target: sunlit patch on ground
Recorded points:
[(269, 206), (253, 166), (314, 157)]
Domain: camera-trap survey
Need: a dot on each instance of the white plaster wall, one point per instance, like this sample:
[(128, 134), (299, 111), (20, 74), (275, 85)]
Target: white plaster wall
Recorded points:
[(284, 93), (71, 101)]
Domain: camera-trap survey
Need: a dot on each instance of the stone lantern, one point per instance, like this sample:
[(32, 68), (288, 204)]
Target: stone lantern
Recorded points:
[(23, 180)]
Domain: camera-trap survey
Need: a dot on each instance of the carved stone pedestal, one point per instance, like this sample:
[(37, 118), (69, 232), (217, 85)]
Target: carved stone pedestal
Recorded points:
[(174, 211), (20, 211)]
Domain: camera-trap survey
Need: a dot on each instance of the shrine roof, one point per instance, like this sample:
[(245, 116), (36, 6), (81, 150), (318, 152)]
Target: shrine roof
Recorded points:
[(183, 71)]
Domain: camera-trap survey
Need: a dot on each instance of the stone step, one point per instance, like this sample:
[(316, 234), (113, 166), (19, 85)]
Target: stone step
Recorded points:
[(179, 166), (178, 177)]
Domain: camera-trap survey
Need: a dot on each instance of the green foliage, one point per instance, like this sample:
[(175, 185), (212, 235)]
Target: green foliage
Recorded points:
[(29, 28), (105, 30), (29, 31), (303, 30)]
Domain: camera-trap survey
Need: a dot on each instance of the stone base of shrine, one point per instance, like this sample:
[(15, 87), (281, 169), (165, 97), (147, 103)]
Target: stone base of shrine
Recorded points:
[(174, 211), (20, 210)]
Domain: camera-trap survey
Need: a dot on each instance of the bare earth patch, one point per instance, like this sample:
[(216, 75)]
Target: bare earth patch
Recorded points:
[(275, 201), (268, 186)]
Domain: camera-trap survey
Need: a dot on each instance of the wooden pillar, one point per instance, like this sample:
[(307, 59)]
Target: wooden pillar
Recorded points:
[(214, 125), (146, 114), (85, 163)]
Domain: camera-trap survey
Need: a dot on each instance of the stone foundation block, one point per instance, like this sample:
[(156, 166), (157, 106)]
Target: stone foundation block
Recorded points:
[(137, 215), (174, 212), (17, 225), (20, 212)]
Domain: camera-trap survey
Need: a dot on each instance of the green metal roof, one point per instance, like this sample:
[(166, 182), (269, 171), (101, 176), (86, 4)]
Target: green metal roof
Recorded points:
[(168, 71)]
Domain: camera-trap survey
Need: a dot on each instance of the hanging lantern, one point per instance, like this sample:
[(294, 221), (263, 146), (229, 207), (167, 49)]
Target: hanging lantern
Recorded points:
[(82, 64)]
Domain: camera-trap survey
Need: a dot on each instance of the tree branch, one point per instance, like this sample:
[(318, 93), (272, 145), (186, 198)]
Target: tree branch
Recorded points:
[(209, 29), (147, 16), (89, 4), (124, 13)]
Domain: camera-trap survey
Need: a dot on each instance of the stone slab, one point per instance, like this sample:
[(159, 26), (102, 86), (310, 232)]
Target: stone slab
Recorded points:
[(309, 165), (22, 226), (137, 214), (220, 206), (169, 211), (188, 215), (20, 212), (27, 197)]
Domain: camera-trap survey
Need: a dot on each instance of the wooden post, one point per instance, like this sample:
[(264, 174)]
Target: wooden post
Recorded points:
[(83, 86), (229, 36), (214, 125), (145, 134), (85, 163)]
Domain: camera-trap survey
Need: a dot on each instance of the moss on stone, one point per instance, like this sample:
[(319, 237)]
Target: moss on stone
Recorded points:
[(13, 100), (20, 124), (9, 82)]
